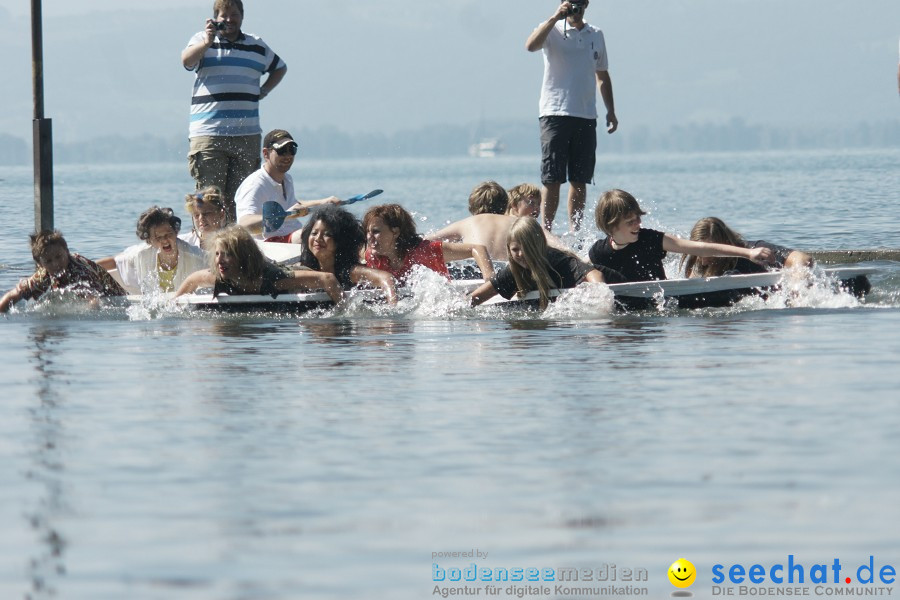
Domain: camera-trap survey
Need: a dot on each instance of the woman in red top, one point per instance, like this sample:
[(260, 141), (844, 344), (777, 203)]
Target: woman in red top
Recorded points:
[(393, 245)]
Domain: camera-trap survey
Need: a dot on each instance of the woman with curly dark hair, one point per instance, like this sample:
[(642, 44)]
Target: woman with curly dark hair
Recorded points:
[(162, 262), (393, 245), (333, 240)]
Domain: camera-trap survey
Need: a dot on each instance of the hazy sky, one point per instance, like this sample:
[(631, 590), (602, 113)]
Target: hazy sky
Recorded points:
[(381, 65)]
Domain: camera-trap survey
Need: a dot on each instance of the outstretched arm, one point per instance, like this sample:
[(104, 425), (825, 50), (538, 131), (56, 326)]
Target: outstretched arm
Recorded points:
[(108, 262), (483, 293), (312, 280), (463, 251), (196, 280), (378, 278), (762, 256), (450, 233), (9, 298)]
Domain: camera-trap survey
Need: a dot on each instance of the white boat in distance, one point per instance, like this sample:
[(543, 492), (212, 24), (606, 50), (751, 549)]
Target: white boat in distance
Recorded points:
[(486, 148)]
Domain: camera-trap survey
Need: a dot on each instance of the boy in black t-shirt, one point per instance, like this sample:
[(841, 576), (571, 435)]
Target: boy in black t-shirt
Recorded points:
[(636, 254)]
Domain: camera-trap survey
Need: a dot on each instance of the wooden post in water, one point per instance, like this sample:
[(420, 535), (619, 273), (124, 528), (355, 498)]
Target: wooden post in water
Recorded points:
[(42, 130)]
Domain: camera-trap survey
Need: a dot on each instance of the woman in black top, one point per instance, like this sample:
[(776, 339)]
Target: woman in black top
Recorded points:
[(534, 266), (712, 229), (238, 267)]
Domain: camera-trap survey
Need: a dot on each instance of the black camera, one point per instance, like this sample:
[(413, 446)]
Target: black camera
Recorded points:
[(576, 9), (220, 25)]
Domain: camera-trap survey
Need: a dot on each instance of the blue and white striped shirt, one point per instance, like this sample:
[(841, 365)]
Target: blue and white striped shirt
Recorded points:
[(225, 99)]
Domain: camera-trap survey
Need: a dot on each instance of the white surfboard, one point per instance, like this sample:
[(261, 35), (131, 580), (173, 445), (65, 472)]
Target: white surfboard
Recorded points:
[(699, 286), (692, 289), (283, 254)]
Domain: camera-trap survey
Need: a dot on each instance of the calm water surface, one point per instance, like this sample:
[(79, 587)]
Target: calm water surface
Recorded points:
[(170, 456)]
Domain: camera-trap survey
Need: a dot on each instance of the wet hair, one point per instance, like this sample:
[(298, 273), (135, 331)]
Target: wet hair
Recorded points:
[(348, 235), (529, 234), (154, 217), (615, 205), (41, 241), (395, 217), (519, 193), (211, 195), (712, 229), (488, 197), (237, 243), (220, 5)]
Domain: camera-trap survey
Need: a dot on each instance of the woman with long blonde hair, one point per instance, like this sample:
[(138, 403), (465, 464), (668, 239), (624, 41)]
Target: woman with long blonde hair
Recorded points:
[(533, 265), (238, 267), (714, 230)]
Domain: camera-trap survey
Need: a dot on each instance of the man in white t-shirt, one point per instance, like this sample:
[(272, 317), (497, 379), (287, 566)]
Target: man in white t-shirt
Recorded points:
[(273, 183), (574, 58)]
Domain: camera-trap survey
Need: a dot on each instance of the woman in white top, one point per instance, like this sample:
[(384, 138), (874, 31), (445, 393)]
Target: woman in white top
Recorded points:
[(163, 261)]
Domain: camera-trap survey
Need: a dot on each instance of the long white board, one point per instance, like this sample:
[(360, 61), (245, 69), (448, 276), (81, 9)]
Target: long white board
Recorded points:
[(645, 289)]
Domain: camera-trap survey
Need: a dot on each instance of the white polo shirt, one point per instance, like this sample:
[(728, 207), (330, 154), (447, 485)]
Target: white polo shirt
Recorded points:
[(258, 188), (570, 64)]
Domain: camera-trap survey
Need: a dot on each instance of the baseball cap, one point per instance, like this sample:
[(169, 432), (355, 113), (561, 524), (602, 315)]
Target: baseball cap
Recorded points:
[(278, 139)]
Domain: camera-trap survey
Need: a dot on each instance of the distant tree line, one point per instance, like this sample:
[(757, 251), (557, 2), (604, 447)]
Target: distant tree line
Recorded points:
[(518, 137)]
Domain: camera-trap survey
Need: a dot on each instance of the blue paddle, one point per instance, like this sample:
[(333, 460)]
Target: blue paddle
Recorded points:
[(274, 214)]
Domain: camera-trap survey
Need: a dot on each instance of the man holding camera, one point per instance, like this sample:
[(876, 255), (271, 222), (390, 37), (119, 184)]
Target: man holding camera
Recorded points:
[(574, 57), (224, 130)]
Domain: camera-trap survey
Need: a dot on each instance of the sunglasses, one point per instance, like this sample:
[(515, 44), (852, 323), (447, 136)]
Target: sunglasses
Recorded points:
[(287, 149)]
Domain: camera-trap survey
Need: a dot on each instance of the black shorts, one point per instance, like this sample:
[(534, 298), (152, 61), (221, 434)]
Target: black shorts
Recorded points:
[(568, 147)]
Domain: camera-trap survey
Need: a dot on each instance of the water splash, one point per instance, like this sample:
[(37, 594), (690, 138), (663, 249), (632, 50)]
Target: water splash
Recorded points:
[(587, 301)]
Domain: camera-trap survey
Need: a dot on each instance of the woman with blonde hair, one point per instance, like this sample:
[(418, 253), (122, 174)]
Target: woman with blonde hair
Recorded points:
[(534, 266), (207, 210), (238, 267), (714, 230)]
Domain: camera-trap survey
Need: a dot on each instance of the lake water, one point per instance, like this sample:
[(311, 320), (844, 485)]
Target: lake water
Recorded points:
[(155, 455)]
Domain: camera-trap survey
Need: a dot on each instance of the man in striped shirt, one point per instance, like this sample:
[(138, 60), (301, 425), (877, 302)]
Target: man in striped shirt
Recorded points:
[(225, 134)]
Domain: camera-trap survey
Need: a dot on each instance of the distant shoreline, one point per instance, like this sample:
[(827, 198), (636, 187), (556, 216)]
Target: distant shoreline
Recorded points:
[(444, 141)]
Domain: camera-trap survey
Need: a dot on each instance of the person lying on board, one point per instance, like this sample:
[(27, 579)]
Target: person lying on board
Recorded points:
[(489, 228), (333, 240), (162, 261), (633, 253), (239, 268), (207, 210), (533, 265), (393, 245), (712, 229), (59, 269)]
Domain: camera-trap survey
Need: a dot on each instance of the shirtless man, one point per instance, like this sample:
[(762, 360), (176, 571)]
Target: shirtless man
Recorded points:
[(489, 230), (485, 227)]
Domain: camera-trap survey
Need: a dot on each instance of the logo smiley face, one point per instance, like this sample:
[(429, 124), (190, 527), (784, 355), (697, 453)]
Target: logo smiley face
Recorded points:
[(682, 573)]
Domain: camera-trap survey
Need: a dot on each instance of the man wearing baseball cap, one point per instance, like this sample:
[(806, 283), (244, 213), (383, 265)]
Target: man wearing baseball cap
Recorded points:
[(273, 183)]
